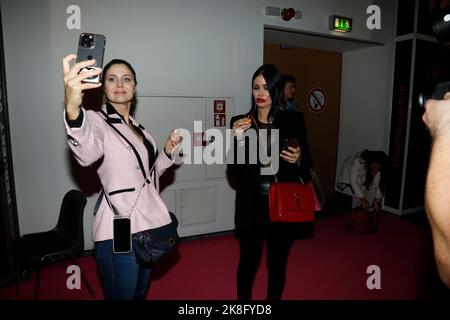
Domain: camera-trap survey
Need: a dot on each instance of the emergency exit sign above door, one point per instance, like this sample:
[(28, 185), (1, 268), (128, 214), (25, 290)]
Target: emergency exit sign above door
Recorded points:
[(340, 24)]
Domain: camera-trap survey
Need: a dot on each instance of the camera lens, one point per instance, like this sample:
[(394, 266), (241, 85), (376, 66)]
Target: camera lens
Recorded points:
[(441, 89), (424, 95), (437, 92), (87, 41)]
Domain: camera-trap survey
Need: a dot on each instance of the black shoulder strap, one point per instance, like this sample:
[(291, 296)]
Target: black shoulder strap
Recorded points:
[(107, 119)]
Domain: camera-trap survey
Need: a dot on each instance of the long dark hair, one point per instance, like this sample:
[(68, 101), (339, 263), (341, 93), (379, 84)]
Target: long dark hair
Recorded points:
[(275, 85), (375, 157), (121, 61)]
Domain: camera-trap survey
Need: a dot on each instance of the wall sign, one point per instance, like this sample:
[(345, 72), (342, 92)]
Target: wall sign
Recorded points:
[(219, 106), (340, 24), (220, 113), (219, 120), (317, 100)]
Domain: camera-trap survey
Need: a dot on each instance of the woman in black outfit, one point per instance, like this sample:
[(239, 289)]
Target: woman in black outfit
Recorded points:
[(268, 111)]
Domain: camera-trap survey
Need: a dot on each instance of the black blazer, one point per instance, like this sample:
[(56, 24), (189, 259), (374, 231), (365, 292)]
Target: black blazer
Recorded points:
[(291, 124)]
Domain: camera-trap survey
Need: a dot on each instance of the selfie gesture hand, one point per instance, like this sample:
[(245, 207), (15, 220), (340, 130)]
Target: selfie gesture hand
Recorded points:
[(73, 84)]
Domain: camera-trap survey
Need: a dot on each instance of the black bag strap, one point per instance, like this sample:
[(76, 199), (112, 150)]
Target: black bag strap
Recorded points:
[(141, 165), (147, 180)]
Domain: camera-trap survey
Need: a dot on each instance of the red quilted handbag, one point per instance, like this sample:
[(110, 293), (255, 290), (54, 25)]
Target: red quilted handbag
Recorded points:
[(291, 202)]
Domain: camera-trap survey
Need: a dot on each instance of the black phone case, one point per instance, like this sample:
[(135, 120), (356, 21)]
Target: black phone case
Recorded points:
[(122, 235), (96, 51)]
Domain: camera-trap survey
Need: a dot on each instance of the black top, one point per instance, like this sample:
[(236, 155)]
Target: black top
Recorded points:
[(291, 124), (265, 180)]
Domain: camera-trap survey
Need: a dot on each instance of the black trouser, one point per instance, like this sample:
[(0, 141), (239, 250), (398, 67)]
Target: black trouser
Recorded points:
[(279, 243)]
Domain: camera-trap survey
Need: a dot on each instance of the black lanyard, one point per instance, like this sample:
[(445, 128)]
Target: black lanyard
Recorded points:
[(141, 165)]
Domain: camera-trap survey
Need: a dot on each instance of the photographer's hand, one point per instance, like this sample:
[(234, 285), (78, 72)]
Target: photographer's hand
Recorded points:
[(437, 116), (437, 200), (73, 85)]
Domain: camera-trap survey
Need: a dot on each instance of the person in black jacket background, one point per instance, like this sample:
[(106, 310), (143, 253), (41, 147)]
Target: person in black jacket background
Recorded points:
[(268, 112)]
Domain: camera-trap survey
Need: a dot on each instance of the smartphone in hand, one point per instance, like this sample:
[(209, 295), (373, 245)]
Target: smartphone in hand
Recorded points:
[(291, 142), (91, 46)]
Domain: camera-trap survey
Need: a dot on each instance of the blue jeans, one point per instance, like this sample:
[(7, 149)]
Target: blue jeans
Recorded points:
[(122, 277)]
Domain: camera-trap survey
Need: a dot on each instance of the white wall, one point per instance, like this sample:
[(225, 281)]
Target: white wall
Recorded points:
[(190, 48)]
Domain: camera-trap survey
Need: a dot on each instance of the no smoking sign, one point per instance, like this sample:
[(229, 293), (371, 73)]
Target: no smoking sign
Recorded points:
[(317, 100)]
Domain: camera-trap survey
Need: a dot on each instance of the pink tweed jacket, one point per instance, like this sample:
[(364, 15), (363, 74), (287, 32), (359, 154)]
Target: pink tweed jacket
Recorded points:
[(119, 171)]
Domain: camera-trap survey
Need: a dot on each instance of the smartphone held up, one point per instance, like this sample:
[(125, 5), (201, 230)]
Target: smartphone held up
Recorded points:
[(91, 46), (290, 142)]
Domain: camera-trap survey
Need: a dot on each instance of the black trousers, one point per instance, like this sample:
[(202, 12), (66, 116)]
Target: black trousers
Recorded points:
[(279, 241)]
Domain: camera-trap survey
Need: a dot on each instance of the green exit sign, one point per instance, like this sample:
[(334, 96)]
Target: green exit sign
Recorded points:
[(340, 24)]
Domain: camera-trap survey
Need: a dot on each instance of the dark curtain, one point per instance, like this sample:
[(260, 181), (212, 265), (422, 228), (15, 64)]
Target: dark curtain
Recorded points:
[(9, 228)]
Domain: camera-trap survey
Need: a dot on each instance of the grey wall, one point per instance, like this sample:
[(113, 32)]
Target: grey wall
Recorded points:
[(178, 47)]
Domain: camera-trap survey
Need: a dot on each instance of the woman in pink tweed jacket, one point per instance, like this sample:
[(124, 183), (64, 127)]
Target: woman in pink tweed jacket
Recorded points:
[(125, 165)]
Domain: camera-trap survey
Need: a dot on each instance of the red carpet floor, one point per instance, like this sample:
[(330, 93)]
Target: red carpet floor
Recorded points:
[(331, 264)]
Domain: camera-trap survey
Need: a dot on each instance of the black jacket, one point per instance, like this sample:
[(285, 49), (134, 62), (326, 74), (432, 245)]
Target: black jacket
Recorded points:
[(291, 124)]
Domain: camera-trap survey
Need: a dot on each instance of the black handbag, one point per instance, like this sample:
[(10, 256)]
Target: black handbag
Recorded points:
[(152, 245)]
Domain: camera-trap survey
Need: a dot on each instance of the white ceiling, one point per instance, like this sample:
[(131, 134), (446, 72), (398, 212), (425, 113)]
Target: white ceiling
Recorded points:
[(310, 41)]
